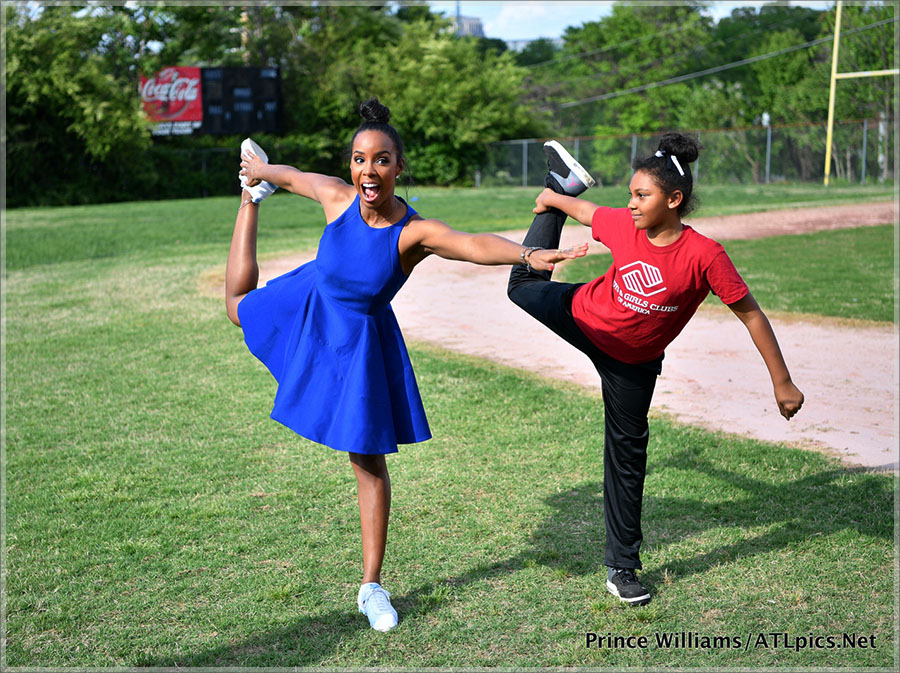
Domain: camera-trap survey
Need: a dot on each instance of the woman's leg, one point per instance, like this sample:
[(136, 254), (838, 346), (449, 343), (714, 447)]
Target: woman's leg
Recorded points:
[(242, 270), (374, 497), (374, 486)]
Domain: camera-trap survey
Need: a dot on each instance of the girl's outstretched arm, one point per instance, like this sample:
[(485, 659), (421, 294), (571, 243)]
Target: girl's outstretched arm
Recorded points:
[(577, 209), (787, 395)]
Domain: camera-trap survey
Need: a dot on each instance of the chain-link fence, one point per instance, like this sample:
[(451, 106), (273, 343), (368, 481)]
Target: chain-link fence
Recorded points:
[(862, 151)]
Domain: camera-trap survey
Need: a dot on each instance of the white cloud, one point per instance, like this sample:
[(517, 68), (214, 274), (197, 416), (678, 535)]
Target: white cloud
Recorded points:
[(527, 19), (531, 20)]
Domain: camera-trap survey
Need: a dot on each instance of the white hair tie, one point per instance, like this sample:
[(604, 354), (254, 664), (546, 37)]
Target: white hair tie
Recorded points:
[(660, 153)]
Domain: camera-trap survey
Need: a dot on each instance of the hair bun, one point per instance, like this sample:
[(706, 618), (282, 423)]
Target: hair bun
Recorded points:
[(684, 147), (373, 111)]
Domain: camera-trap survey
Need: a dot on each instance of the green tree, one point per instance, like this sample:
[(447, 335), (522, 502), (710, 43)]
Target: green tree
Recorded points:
[(77, 131), (635, 45), (537, 52), (418, 10), (736, 36), (73, 109), (788, 86), (205, 35), (449, 100), (736, 152), (870, 49), (494, 44)]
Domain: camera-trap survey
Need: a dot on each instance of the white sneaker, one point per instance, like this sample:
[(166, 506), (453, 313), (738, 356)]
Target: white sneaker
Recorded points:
[(263, 189), (375, 603)]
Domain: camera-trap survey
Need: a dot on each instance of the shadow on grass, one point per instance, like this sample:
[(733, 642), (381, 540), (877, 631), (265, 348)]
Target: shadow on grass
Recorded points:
[(795, 512), (571, 540)]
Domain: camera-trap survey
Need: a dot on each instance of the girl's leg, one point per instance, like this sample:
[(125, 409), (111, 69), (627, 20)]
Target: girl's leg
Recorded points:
[(532, 290), (545, 232), (627, 394), (565, 176), (374, 497), (242, 271), (545, 300)]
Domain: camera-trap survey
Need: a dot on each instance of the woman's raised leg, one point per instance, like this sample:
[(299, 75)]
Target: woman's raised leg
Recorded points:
[(242, 270)]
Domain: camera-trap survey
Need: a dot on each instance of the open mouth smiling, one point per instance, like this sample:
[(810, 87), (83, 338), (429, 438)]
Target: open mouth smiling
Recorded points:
[(370, 190)]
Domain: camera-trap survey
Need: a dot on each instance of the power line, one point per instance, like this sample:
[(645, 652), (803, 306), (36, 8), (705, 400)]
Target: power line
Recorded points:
[(719, 68), (699, 50), (594, 52), (655, 36), (694, 75)]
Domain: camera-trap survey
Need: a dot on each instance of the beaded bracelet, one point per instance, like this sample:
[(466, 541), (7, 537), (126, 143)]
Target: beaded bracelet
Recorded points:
[(526, 256)]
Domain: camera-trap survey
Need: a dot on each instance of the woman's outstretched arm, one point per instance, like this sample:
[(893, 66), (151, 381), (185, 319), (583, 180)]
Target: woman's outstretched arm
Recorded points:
[(433, 237), (313, 186)]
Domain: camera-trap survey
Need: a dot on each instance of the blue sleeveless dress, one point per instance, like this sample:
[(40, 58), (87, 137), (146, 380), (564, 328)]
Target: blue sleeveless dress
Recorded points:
[(327, 333)]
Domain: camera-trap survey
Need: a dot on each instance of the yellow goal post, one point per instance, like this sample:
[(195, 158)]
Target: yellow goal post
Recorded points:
[(835, 76)]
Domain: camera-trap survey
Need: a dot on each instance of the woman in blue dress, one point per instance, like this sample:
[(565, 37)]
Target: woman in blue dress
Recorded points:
[(326, 330)]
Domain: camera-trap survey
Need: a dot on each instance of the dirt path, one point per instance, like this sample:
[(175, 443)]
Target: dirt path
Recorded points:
[(712, 375)]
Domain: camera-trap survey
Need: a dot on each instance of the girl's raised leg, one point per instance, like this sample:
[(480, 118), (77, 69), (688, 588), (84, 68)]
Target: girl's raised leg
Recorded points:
[(545, 232)]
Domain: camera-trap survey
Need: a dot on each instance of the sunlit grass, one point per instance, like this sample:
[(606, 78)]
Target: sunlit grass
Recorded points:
[(155, 516)]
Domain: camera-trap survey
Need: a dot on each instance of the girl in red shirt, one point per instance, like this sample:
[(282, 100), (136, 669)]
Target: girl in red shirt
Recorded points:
[(662, 271)]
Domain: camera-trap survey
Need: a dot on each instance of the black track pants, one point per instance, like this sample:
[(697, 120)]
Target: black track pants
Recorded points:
[(627, 393)]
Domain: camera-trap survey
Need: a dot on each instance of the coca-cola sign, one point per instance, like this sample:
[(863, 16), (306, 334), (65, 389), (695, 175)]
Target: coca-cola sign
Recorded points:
[(173, 95)]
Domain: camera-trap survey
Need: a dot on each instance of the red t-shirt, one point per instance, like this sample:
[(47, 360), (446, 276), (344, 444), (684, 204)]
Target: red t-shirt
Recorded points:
[(650, 292)]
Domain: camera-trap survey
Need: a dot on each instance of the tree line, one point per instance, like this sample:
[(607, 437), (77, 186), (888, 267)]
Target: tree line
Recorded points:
[(76, 132)]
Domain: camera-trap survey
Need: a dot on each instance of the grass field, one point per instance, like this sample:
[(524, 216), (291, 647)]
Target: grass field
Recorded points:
[(160, 229), (155, 516)]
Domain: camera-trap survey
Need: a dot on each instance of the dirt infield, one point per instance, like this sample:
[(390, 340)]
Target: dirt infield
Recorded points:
[(712, 374)]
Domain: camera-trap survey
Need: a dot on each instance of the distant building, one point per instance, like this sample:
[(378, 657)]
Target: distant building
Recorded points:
[(467, 25)]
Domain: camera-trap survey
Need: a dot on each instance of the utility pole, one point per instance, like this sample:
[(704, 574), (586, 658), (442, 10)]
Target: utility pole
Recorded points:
[(834, 61)]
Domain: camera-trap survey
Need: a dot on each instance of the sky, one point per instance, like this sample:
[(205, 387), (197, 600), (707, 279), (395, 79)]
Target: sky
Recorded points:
[(530, 19)]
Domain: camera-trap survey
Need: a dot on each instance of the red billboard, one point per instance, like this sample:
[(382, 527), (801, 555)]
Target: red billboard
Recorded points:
[(172, 99), (183, 100)]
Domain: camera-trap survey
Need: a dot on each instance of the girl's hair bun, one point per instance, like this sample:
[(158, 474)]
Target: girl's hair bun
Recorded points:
[(374, 112), (682, 146)]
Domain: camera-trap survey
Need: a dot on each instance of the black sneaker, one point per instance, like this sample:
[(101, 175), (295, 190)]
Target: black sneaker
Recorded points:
[(568, 173), (624, 585)]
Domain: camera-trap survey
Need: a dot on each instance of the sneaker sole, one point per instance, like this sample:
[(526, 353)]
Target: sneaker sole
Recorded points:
[(383, 627), (635, 601), (573, 165), (249, 145)]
